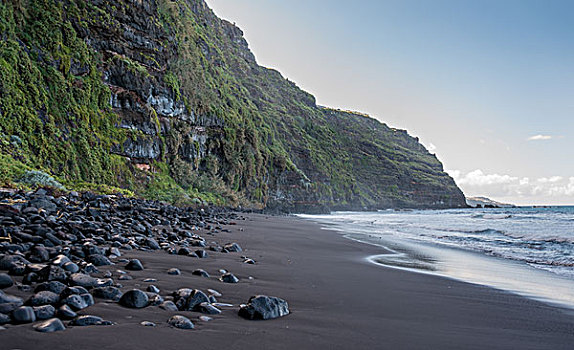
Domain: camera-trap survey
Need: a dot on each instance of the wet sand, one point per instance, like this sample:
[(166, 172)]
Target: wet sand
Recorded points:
[(338, 300)]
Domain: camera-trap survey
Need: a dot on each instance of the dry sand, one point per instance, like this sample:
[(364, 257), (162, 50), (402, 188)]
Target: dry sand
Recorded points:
[(338, 300)]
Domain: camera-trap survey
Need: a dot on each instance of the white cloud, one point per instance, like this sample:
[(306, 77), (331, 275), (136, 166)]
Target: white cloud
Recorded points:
[(540, 138), (431, 147), (553, 188)]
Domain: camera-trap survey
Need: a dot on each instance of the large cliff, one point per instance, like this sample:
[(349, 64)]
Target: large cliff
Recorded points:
[(164, 98)]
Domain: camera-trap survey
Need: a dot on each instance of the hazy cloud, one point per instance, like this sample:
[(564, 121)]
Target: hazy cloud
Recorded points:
[(540, 138), (501, 185)]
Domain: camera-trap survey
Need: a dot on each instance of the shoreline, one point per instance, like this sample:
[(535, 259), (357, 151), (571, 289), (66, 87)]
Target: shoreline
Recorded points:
[(452, 262), (338, 300)]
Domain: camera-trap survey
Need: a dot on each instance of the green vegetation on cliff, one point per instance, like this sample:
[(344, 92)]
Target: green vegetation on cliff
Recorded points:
[(165, 99)]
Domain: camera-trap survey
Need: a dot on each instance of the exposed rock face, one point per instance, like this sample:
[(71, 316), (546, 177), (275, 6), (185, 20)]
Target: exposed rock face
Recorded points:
[(176, 88)]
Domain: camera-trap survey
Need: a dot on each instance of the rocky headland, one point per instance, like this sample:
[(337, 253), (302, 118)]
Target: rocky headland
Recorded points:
[(165, 99)]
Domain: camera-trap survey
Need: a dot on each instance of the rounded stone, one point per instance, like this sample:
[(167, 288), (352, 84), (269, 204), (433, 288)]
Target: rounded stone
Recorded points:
[(108, 293), (5, 281), (262, 307), (43, 298), (200, 272), (66, 312), (44, 312), (24, 314), (229, 278), (180, 322), (135, 299), (134, 265), (174, 272), (51, 325)]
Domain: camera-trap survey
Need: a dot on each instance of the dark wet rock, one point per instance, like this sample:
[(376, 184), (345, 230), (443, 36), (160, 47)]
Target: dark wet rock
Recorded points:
[(147, 324), (51, 325), (152, 244), (91, 268), (89, 320), (196, 297), (212, 299), (10, 299), (44, 312), (174, 272), (154, 299), (108, 293), (200, 272), (52, 286), (83, 280), (134, 265), (88, 299), (153, 289), (125, 278), (76, 290), (202, 254), (114, 251), (262, 307), (71, 267), (183, 251), (4, 318), (99, 260), (76, 302), (135, 299), (214, 293), (180, 322), (39, 254), (207, 308), (168, 305), (17, 270), (60, 260), (229, 278), (66, 312), (43, 298), (23, 314), (5, 281), (249, 261), (30, 278), (232, 247)]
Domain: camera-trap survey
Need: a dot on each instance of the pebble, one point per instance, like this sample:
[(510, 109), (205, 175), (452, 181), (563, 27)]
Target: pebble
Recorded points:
[(174, 272), (44, 312), (135, 299), (147, 324), (134, 265), (214, 293), (229, 278), (153, 289), (5, 281), (51, 325), (168, 306), (24, 314), (200, 272), (89, 320), (180, 322)]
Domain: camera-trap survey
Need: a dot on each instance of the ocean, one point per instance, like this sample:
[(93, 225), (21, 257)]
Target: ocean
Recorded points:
[(525, 250)]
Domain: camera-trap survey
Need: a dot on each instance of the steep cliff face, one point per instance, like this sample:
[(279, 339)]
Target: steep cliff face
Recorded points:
[(165, 98)]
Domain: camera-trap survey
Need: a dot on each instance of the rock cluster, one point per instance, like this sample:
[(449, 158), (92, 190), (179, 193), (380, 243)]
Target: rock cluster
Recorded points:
[(57, 249)]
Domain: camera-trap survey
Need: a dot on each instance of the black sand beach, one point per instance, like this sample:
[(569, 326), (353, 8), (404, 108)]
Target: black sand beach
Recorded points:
[(337, 299)]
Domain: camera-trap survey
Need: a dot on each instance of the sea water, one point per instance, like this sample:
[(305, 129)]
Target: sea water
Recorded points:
[(525, 250)]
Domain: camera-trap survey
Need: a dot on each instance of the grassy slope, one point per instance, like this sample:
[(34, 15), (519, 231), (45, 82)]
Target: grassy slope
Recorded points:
[(275, 142)]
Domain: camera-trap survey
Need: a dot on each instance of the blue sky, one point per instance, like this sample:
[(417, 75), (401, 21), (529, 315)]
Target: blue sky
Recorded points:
[(487, 85)]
